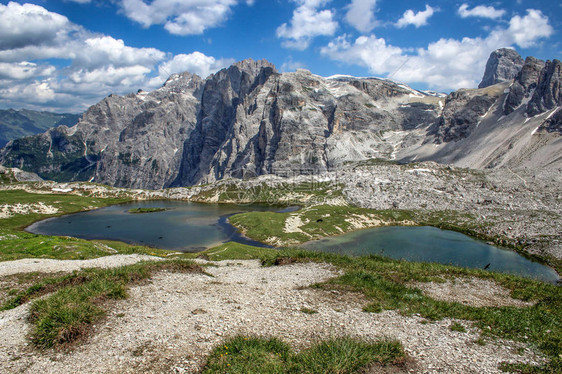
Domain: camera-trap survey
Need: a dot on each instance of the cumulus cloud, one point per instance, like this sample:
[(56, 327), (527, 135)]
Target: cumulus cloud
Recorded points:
[(291, 65), (33, 93), (417, 19), (93, 65), (361, 15), (525, 31), (307, 23), (444, 64), (180, 17), (480, 11), (103, 50), (30, 25), (24, 70), (196, 63)]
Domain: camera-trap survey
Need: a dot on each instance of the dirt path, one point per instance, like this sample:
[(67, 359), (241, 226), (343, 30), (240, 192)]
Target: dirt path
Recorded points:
[(29, 265), (172, 323)]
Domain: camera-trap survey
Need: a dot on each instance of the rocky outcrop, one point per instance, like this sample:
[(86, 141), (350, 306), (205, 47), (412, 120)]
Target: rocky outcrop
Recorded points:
[(524, 85), (548, 92), (553, 124), (503, 65), (462, 113)]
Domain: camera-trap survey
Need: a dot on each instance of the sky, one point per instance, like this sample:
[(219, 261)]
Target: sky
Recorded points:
[(66, 55)]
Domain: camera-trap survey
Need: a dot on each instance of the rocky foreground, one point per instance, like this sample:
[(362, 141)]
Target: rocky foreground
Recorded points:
[(172, 323)]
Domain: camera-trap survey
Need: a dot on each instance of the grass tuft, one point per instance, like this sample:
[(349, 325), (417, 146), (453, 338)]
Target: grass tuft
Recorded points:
[(69, 313), (455, 326), (339, 355)]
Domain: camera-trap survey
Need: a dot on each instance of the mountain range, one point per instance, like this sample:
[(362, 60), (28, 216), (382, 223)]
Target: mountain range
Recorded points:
[(249, 120), (15, 124)]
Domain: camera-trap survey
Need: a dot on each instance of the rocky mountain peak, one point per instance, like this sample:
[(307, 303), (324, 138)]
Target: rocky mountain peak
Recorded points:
[(252, 66), (503, 65)]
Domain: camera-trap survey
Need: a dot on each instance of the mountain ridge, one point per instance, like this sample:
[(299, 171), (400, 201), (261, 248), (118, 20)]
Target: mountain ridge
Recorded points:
[(249, 120), (16, 124)]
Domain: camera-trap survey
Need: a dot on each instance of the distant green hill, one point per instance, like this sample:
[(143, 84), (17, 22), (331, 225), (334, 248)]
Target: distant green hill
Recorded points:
[(16, 124)]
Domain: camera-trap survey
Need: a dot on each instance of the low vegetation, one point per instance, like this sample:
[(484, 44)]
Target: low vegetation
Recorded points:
[(77, 301), (256, 355), (146, 210), (313, 222), (72, 303), (387, 283)]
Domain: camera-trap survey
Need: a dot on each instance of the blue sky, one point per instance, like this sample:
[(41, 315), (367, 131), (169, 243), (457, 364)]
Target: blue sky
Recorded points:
[(67, 55)]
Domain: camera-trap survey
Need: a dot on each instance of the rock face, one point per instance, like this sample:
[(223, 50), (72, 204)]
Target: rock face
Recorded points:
[(548, 90), (129, 141), (249, 120), (462, 113), (524, 85), (503, 65)]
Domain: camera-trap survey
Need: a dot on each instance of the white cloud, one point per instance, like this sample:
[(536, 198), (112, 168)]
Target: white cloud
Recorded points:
[(417, 19), (33, 93), (196, 63), (29, 25), (111, 75), (180, 17), (24, 70), (361, 15), (307, 23), (444, 64), (103, 50), (93, 66), (480, 11), (527, 30), (291, 65)]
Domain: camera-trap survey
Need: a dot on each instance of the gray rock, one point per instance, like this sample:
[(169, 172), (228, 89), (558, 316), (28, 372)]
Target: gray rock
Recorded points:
[(525, 82), (548, 90), (553, 124), (249, 120), (462, 113), (503, 65)]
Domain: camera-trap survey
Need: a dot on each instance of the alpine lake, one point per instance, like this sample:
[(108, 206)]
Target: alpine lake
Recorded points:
[(193, 227)]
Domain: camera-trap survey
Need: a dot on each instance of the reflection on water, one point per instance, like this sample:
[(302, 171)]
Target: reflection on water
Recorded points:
[(429, 244), (183, 226)]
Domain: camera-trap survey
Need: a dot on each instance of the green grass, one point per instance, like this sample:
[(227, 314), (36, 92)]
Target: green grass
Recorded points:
[(455, 326), (319, 221), (308, 311), (146, 210), (263, 356), (234, 251), (386, 285), (79, 299)]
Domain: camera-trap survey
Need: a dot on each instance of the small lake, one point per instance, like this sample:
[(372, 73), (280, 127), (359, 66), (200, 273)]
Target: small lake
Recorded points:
[(183, 226), (192, 227), (430, 244)]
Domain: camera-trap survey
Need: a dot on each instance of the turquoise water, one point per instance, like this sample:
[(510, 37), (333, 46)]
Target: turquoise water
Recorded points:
[(193, 227), (430, 244)]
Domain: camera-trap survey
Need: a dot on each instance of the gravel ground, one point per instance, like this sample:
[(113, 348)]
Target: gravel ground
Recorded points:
[(471, 291), (173, 322), (29, 265)]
